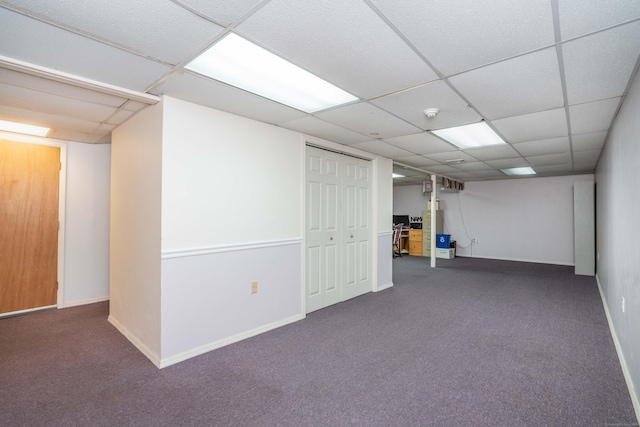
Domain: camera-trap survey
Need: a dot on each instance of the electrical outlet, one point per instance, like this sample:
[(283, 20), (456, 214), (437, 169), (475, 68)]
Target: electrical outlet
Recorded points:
[(475, 240), (254, 287)]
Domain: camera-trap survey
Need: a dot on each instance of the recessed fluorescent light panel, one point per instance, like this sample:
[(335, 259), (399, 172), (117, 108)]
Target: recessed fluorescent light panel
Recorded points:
[(22, 128), (240, 63), (397, 175), (470, 136), (518, 171)]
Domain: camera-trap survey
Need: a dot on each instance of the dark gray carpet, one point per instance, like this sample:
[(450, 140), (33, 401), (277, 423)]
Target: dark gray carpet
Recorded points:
[(472, 343)]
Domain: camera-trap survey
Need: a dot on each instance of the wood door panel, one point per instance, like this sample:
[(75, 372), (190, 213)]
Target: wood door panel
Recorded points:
[(29, 176)]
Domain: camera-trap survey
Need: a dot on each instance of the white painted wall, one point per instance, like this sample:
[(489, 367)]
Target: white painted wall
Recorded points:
[(87, 223), (136, 174), (529, 219), (618, 232), (227, 179), (233, 189), (222, 200), (409, 200)]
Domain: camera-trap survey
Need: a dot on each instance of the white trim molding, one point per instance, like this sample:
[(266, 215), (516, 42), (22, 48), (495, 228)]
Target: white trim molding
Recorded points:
[(78, 81), (188, 252)]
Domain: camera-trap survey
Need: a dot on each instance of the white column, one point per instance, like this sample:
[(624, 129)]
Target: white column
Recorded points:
[(433, 221)]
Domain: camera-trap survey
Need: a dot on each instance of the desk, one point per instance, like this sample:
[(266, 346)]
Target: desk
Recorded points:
[(415, 242)]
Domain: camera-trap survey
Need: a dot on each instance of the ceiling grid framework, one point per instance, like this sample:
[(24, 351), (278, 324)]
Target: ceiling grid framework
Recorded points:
[(548, 75)]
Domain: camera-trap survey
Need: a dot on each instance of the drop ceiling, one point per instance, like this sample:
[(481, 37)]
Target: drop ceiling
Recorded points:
[(548, 75)]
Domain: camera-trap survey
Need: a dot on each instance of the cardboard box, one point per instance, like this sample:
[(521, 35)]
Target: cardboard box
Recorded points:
[(445, 253)]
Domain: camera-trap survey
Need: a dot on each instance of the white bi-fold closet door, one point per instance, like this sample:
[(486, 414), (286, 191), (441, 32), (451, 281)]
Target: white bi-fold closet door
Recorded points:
[(338, 228)]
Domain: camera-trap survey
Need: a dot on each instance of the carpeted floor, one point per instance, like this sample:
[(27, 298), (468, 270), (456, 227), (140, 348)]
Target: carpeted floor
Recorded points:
[(472, 343)]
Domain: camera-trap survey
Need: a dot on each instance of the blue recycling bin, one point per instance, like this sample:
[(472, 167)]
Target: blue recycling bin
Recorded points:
[(442, 241)]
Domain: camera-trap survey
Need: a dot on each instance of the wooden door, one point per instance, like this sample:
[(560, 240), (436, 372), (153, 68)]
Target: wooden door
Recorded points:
[(29, 177)]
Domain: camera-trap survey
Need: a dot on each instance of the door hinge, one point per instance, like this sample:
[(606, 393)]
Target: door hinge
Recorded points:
[(57, 286)]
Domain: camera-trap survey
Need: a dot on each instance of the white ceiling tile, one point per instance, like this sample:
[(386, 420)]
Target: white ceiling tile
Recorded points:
[(473, 166), (120, 117), (381, 148), (345, 43), (68, 135), (521, 85), (410, 105), (421, 143), (584, 167), (56, 88), (592, 116), (586, 156), (545, 146), (316, 127), (211, 93), (408, 172), (106, 139), (134, 106), (579, 17), (549, 159), (490, 174), (600, 66), (533, 127), (452, 155), (47, 120), (443, 169), (588, 141), (223, 11), (129, 24), (494, 152), (554, 169), (416, 161), (27, 99), (367, 119), (458, 35), (518, 162), (30, 40)]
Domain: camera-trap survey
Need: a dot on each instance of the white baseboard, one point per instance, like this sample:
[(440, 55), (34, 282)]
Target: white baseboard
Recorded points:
[(383, 287), (84, 302), (135, 341), (163, 363), (570, 264), (633, 392)]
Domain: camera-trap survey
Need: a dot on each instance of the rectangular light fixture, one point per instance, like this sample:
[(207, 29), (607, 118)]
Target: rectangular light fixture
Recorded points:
[(240, 63), (397, 175), (470, 136), (23, 128), (518, 171)]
